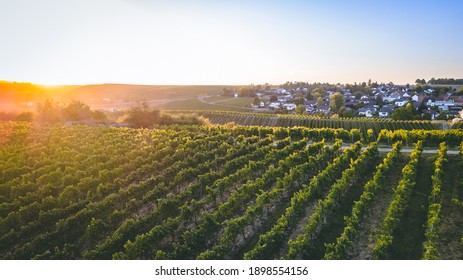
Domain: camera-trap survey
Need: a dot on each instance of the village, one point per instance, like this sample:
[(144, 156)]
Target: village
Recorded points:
[(428, 103)]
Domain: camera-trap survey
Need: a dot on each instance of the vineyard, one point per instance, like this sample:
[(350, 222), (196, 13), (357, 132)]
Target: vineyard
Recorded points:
[(285, 120), (230, 191), (458, 125)]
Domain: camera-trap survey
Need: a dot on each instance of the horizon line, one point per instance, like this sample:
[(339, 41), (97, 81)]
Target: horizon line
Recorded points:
[(218, 84)]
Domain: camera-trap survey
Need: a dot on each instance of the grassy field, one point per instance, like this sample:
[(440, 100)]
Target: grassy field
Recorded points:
[(195, 104), (216, 98), (142, 92), (231, 101)]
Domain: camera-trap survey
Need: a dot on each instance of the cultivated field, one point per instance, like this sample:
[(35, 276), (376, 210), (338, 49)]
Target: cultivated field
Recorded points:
[(226, 192)]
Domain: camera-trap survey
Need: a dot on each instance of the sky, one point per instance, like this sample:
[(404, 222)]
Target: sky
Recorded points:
[(235, 42)]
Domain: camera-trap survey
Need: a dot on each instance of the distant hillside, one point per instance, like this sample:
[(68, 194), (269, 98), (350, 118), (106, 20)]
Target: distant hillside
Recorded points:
[(16, 96), (23, 96), (122, 92)]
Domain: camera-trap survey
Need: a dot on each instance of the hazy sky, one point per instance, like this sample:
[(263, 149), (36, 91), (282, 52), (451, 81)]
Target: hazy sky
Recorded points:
[(229, 42)]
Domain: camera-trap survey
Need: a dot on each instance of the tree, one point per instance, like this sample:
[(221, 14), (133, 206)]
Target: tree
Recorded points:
[(368, 90), (227, 92), (300, 109), (410, 107), (358, 94), (99, 116), (256, 101), (419, 88), (321, 91), (336, 102), (273, 98), (25, 117), (402, 113), (142, 116), (298, 100), (420, 81), (247, 91), (442, 117), (320, 101), (347, 114), (49, 112), (76, 111)]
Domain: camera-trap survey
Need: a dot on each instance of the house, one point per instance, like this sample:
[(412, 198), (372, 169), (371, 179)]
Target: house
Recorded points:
[(324, 109), (432, 113), (274, 105), (285, 98), (366, 112), (430, 101), (401, 102), (458, 100), (310, 103), (455, 111), (429, 91), (365, 99), (348, 109), (440, 102), (373, 103), (280, 90), (392, 97), (346, 93), (421, 97), (386, 111), (443, 105), (350, 104), (309, 109), (289, 106)]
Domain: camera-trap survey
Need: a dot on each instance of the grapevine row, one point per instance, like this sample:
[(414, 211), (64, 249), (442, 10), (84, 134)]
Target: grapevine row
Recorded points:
[(338, 249), (325, 206), (272, 239), (398, 205), (193, 241), (297, 176), (170, 206), (432, 224)]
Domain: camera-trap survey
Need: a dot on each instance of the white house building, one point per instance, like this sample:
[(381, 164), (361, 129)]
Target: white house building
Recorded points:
[(401, 102), (290, 106), (274, 105)]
